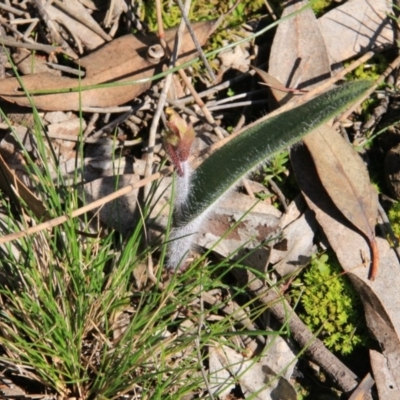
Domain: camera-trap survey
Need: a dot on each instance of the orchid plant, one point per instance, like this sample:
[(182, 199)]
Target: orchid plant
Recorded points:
[(198, 193)]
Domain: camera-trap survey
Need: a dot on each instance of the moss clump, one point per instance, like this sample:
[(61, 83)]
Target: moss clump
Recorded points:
[(394, 218), (319, 6), (331, 305)]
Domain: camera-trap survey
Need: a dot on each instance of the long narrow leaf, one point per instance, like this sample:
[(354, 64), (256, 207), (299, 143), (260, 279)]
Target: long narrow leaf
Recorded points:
[(227, 166)]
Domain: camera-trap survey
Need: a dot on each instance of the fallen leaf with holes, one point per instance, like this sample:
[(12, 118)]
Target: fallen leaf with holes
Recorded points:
[(386, 385), (361, 25), (122, 60)]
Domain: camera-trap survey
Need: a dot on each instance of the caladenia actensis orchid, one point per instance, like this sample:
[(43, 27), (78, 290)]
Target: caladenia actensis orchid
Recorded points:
[(178, 141), (198, 193)]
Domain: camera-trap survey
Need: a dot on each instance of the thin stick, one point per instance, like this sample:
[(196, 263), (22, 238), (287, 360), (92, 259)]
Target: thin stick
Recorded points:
[(197, 342), (10, 42), (11, 9), (195, 41), (288, 106), (163, 98), (83, 18), (201, 104), (55, 36), (392, 66), (285, 315), (89, 207)]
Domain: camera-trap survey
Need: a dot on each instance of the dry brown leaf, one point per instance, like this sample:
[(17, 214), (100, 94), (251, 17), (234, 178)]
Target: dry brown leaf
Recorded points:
[(339, 168), (298, 55), (280, 93), (10, 183), (345, 181), (256, 379), (345, 178), (363, 391), (380, 298), (123, 59), (78, 31), (360, 24), (387, 388)]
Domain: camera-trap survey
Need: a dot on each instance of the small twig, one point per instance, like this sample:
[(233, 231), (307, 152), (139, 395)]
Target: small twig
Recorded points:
[(12, 10), (55, 36), (231, 99), (195, 41), (217, 88), (10, 42), (238, 104), (24, 21), (3, 58), (393, 65), (197, 342), (83, 210), (271, 11), (83, 19), (69, 70), (107, 110), (104, 140), (111, 125), (91, 125), (279, 193), (285, 315), (201, 104), (387, 230), (223, 16), (161, 33), (163, 97)]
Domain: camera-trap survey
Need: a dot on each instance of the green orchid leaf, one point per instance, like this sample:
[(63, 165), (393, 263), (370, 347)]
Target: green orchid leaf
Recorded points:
[(199, 192), (226, 167)]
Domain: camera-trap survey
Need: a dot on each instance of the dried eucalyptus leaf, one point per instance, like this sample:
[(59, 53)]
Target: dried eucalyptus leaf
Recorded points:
[(296, 42), (121, 60)]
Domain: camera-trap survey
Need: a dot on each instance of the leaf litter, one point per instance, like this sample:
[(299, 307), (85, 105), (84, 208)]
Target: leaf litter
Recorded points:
[(296, 67), (341, 179)]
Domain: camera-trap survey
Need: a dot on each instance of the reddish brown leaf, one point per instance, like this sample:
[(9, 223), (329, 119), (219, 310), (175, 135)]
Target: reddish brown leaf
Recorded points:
[(123, 59), (298, 55), (345, 178)]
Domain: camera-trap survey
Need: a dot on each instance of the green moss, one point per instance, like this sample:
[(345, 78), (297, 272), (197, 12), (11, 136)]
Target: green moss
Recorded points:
[(371, 70), (201, 10), (330, 304), (319, 6), (394, 218)]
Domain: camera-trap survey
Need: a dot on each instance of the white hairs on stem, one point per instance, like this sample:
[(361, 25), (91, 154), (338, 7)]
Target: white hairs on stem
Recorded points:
[(182, 237)]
